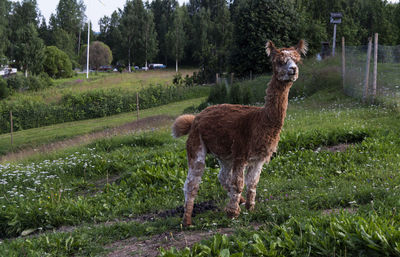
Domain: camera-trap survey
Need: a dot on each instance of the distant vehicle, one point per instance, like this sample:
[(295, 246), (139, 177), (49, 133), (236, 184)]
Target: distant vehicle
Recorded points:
[(137, 68), (6, 71), (105, 68), (145, 68), (156, 66)]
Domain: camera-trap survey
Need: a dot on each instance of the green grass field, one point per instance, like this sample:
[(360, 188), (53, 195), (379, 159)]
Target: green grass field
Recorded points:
[(311, 201), (103, 81)]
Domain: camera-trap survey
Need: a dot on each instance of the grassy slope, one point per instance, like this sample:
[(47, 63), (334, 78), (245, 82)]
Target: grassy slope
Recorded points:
[(295, 189), (38, 136), (131, 81)]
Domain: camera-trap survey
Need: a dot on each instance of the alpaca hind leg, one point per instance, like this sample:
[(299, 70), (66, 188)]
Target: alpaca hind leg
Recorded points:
[(196, 152), (225, 175), (251, 181), (235, 190)]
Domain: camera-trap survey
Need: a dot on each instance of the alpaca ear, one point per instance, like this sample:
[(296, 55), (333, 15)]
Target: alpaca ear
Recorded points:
[(302, 47), (270, 48)]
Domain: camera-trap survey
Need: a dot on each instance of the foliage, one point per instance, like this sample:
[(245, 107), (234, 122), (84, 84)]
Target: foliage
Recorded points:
[(29, 49), (56, 63), (31, 113), (100, 54), (3, 89), (176, 37), (33, 83)]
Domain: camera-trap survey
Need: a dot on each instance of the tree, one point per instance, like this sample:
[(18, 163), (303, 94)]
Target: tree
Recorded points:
[(150, 37), (29, 49), (99, 55), (70, 15), (111, 35), (255, 22), (57, 63), (176, 37), (4, 11)]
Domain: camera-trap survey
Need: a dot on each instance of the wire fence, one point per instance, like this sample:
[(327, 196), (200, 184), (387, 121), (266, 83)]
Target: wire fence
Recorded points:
[(358, 79)]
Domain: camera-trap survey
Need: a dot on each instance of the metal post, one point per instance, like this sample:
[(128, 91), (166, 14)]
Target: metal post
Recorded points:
[(375, 67), (12, 128), (343, 63), (365, 94), (334, 40), (87, 53), (137, 105)]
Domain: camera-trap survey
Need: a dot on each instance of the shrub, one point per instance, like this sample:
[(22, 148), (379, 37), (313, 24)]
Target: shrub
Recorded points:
[(218, 94), (57, 63), (17, 83), (3, 89)]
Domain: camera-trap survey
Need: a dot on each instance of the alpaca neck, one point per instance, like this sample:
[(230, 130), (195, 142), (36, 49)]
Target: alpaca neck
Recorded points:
[(276, 101)]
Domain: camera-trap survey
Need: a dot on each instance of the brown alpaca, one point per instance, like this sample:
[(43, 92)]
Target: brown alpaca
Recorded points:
[(240, 137)]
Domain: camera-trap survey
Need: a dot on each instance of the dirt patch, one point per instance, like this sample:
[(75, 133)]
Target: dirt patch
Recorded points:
[(135, 126), (150, 247), (336, 148)]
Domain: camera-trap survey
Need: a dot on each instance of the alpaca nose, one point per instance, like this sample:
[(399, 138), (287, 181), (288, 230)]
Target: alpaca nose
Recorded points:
[(292, 70)]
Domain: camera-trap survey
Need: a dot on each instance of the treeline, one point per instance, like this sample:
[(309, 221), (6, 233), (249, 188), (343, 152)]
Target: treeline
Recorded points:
[(215, 35)]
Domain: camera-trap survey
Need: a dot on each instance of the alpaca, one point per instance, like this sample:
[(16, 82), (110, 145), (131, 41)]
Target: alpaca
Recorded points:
[(240, 137)]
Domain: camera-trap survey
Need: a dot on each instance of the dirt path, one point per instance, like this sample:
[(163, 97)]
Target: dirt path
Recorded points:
[(135, 126)]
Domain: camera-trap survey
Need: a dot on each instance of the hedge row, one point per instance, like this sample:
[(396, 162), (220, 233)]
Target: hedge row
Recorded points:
[(28, 113)]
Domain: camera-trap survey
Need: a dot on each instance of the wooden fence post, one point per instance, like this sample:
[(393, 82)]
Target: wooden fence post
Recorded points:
[(375, 67), (365, 94), (11, 129), (343, 63), (137, 105), (216, 78), (251, 75)]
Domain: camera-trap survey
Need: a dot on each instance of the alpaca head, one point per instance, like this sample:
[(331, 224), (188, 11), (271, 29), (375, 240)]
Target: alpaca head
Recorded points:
[(285, 60)]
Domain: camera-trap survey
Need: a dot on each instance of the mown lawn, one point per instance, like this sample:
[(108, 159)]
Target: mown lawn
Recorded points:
[(311, 201)]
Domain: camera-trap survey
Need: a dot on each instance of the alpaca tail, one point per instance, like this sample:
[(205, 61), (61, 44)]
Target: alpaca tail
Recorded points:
[(182, 125)]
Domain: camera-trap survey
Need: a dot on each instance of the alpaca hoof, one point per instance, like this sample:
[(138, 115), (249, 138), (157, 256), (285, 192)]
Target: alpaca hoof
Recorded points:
[(187, 222), (242, 200), (249, 206), (232, 213)]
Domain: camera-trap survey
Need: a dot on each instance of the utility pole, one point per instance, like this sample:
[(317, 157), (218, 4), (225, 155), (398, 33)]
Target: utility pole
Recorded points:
[(336, 18)]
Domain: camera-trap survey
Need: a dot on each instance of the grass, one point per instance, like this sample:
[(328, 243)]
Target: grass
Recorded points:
[(103, 81), (310, 201), (43, 135)]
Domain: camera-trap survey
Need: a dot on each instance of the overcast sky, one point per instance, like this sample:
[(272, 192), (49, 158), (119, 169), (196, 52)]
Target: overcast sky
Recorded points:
[(95, 9)]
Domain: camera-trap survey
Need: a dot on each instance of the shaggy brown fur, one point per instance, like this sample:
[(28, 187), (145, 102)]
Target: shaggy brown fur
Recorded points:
[(240, 137)]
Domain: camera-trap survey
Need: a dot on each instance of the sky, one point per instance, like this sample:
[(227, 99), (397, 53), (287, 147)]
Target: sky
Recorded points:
[(95, 9)]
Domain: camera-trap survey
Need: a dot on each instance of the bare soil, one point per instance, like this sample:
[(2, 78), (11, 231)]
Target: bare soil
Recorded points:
[(336, 148), (150, 247), (135, 126)]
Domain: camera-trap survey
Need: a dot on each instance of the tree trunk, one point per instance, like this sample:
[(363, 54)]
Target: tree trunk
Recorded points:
[(176, 65), (129, 59), (26, 73)]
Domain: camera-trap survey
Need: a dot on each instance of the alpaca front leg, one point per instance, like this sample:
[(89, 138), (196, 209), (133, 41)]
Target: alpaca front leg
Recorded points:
[(251, 181), (235, 191), (196, 168), (224, 176)]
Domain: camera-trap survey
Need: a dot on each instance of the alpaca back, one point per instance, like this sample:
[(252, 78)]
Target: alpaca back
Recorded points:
[(182, 125)]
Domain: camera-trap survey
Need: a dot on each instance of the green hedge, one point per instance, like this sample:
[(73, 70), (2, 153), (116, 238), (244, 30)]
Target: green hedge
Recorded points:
[(32, 113)]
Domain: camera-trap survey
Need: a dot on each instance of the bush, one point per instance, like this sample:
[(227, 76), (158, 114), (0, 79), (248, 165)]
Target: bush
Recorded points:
[(57, 63), (3, 89), (31, 113), (17, 83)]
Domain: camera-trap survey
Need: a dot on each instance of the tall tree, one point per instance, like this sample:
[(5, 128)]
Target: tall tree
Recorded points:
[(29, 49), (4, 11), (163, 11), (150, 37), (176, 36), (132, 24), (111, 35), (24, 17)]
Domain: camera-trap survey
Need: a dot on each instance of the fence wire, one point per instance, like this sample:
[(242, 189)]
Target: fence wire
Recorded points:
[(388, 73)]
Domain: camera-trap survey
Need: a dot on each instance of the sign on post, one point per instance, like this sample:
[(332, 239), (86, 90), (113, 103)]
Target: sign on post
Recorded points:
[(336, 18)]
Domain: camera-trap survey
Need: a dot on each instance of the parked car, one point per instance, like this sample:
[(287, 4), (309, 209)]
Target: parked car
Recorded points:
[(6, 71), (145, 68), (105, 68), (155, 66)]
